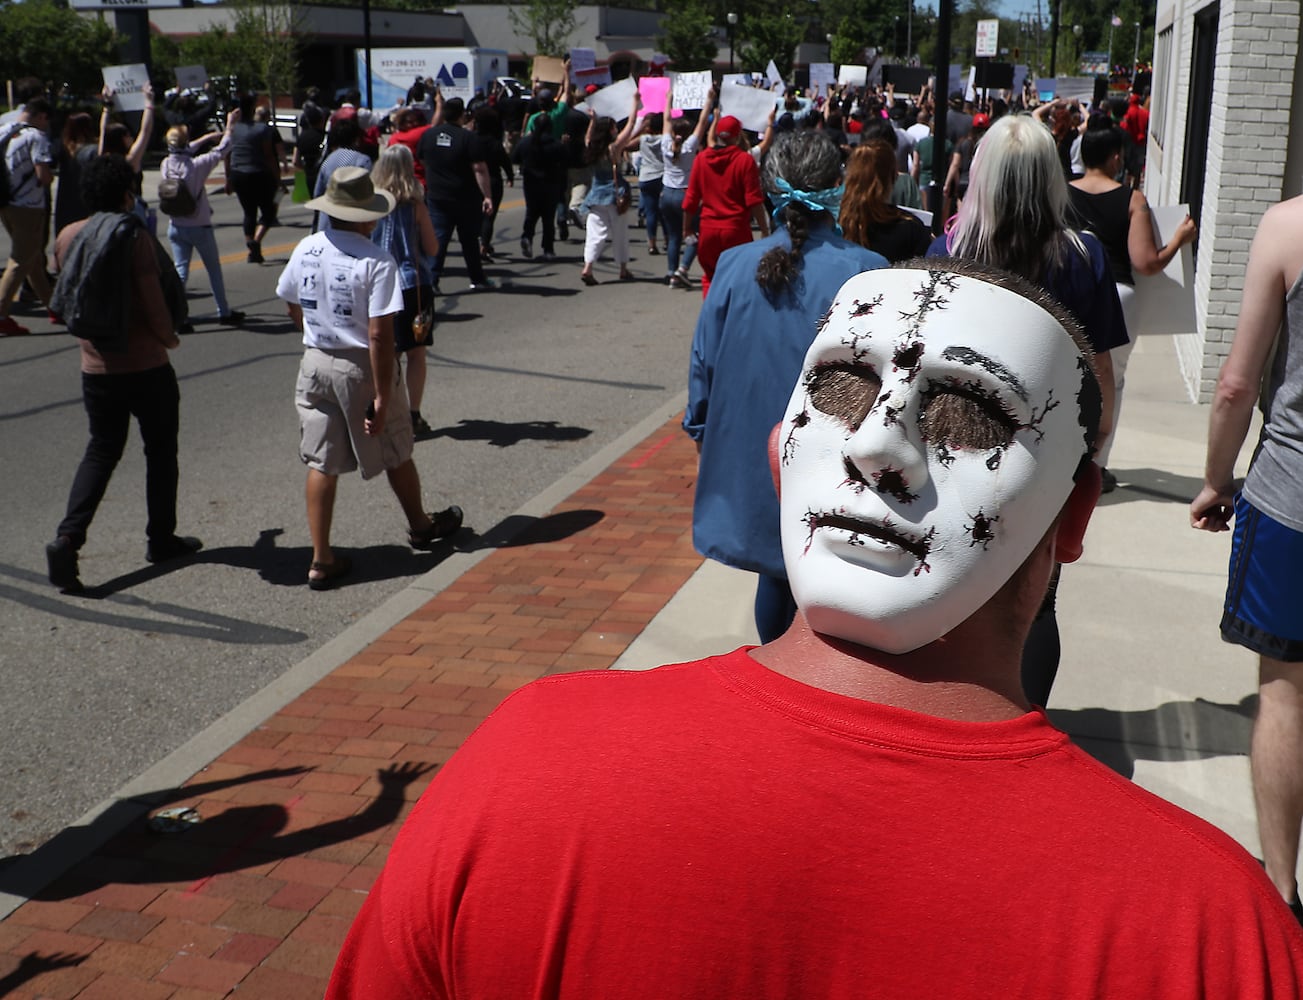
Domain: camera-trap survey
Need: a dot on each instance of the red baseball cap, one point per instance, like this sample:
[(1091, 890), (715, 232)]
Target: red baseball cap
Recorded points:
[(728, 127), (981, 121), (591, 89)]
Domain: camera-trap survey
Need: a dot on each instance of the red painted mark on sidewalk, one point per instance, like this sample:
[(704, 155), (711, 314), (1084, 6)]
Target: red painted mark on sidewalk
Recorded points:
[(220, 865), (645, 457)]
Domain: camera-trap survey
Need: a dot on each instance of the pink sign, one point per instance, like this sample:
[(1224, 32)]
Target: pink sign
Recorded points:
[(654, 90)]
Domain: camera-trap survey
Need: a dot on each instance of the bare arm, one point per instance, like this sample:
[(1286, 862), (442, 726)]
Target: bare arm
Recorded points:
[(1146, 256), (704, 121), (136, 155), (768, 139), (296, 315), (630, 130), (380, 345), (482, 179), (1262, 305), (425, 230)]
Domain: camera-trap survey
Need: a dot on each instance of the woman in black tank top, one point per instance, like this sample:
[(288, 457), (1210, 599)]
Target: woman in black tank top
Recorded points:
[(1119, 219)]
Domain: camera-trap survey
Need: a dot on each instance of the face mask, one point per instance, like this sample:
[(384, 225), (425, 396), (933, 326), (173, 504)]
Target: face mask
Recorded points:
[(929, 445)]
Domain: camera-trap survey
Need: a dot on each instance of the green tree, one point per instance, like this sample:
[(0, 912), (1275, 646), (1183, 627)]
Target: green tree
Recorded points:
[(687, 35), (549, 23), (267, 36), (770, 32), (39, 38)]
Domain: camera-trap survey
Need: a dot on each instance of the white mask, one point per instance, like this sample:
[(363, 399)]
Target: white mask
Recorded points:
[(897, 525)]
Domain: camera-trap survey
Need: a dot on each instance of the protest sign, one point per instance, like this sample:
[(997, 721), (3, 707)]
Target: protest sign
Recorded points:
[(1164, 302), (737, 79), (614, 101), (823, 76), (853, 75), (191, 77), (127, 82), (653, 90), (691, 89), (599, 76), (582, 59), (772, 75), (549, 69), (749, 105)]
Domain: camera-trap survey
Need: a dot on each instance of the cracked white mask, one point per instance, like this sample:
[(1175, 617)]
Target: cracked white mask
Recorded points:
[(929, 444)]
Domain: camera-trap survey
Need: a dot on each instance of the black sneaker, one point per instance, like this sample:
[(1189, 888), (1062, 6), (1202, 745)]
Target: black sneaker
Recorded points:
[(174, 547), (232, 318), (420, 426), (1108, 481), (442, 524), (526, 248), (61, 559), (563, 232), (255, 252)]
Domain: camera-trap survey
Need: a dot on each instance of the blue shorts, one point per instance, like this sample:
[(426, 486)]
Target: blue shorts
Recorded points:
[(1264, 598)]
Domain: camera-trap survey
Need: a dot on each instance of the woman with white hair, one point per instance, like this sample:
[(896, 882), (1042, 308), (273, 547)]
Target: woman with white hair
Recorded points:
[(1015, 218)]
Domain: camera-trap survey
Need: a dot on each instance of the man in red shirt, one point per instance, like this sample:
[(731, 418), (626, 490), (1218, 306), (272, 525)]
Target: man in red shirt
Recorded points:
[(867, 805), (723, 198), (1135, 123)]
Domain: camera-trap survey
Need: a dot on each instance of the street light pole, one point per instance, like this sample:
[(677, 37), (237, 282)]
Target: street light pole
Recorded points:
[(909, 28), (1135, 54), (732, 24)]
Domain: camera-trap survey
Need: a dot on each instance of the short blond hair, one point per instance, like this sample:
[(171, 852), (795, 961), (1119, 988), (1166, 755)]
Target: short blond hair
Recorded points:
[(178, 137)]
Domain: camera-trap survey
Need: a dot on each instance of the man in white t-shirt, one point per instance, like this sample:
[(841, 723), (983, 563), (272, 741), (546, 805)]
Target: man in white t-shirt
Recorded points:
[(29, 162), (343, 292)]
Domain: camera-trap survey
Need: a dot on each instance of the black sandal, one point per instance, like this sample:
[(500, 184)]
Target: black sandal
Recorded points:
[(331, 573), (442, 524)]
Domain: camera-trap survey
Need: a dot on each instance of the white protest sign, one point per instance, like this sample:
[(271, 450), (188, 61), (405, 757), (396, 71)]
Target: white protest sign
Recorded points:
[(691, 89), (191, 77), (822, 75), (127, 82), (988, 33), (853, 75), (1165, 301), (738, 79), (749, 105), (582, 59), (614, 101), (772, 75)]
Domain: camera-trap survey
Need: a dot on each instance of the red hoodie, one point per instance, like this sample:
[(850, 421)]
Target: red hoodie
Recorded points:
[(724, 186)]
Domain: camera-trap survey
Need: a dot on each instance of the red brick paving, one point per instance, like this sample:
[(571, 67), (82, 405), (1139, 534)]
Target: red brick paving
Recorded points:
[(256, 900)]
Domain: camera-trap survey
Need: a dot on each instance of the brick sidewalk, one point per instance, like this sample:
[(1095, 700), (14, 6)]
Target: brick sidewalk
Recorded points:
[(298, 815)]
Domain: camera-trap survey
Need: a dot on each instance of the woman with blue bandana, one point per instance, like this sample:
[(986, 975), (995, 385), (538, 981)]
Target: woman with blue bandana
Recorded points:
[(755, 327)]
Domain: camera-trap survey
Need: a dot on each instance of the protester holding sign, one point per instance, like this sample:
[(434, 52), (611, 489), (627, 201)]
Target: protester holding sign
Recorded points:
[(188, 170), (606, 202), (679, 146)]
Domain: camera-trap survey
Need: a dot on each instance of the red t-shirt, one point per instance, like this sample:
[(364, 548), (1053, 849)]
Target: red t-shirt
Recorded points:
[(715, 830), (723, 187), (409, 139)]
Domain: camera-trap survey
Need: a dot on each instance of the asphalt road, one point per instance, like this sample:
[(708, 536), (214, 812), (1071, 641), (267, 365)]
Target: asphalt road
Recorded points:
[(525, 383)]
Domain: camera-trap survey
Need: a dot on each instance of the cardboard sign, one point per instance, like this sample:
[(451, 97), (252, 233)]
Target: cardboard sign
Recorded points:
[(582, 59), (749, 105), (191, 77), (853, 76), (127, 83), (549, 69), (823, 76), (653, 90), (691, 90), (613, 101), (1165, 301)]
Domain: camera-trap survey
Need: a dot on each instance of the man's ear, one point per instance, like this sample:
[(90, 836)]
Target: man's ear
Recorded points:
[(773, 457), (1076, 514)]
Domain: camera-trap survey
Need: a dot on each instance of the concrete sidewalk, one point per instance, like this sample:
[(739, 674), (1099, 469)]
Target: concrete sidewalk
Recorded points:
[(300, 792)]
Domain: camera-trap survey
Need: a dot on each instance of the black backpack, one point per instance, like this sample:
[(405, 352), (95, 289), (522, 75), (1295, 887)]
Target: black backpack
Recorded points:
[(6, 192), (174, 197)]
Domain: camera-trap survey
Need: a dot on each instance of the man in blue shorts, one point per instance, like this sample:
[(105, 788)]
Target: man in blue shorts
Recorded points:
[(343, 292), (1266, 571)]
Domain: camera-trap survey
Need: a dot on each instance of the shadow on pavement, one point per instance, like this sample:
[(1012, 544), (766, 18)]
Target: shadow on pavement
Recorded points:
[(1173, 731), (522, 529), (35, 964), (128, 850), (502, 434), (1151, 484)]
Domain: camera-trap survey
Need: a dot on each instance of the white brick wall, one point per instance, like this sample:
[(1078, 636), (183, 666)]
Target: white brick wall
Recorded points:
[(1257, 46)]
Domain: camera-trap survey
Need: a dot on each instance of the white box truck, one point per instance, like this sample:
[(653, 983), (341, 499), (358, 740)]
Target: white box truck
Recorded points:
[(459, 72)]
